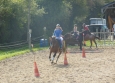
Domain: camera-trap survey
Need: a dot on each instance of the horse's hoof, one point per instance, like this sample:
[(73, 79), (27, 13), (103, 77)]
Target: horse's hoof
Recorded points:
[(55, 63), (50, 59), (52, 62)]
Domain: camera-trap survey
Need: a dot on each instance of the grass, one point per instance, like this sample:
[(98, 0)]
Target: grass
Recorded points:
[(7, 53), (101, 42)]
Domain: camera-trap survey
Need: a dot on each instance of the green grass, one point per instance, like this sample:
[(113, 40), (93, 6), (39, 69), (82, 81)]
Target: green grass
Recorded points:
[(7, 53), (100, 42)]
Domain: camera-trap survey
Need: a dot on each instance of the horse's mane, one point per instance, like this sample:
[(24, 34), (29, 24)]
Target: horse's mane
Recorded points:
[(66, 35), (54, 42)]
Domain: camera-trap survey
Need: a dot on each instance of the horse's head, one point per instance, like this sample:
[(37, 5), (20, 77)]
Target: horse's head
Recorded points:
[(53, 39), (67, 36)]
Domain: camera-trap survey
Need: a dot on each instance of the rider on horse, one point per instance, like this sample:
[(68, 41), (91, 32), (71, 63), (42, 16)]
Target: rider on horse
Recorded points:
[(75, 32), (58, 34), (86, 29)]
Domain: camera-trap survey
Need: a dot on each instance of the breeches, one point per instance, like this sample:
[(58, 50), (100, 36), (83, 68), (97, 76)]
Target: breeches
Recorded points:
[(60, 41)]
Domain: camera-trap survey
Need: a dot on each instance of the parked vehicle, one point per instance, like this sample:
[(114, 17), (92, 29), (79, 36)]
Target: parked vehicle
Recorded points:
[(98, 26), (101, 30), (97, 21)]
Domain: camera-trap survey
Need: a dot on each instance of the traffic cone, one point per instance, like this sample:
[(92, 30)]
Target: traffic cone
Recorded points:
[(65, 60), (36, 72), (83, 53)]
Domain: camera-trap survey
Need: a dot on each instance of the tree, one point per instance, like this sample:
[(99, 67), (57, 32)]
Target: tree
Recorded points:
[(13, 15), (79, 12), (57, 11)]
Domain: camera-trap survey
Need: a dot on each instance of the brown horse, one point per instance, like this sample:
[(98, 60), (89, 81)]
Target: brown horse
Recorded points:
[(69, 39), (92, 38), (54, 48)]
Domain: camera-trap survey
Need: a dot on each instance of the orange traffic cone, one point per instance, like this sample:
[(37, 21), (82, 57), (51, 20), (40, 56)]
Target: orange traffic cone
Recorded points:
[(65, 60), (83, 53), (36, 72)]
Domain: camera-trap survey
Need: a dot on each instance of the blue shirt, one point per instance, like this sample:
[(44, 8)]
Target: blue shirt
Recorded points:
[(57, 32)]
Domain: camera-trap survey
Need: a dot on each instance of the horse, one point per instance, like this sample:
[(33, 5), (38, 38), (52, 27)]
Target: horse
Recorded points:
[(69, 39), (86, 37), (54, 48)]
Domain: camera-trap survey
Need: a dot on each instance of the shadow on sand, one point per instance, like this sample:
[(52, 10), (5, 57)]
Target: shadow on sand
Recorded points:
[(62, 66)]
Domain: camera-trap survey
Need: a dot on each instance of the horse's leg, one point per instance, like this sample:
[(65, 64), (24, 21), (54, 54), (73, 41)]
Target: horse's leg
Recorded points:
[(50, 55), (84, 43), (91, 43), (53, 57), (80, 44), (95, 43), (58, 56)]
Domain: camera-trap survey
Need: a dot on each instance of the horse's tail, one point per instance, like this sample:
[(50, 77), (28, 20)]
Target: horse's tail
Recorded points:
[(97, 37)]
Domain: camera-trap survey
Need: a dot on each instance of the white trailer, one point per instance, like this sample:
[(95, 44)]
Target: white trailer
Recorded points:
[(97, 21)]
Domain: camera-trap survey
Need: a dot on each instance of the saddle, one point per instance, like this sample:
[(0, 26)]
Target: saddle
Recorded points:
[(75, 37), (58, 40)]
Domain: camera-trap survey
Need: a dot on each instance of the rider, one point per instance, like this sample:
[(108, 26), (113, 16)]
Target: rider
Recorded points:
[(86, 29), (58, 34), (75, 31)]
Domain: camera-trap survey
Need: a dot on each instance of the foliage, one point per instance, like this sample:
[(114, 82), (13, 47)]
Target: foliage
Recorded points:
[(44, 13), (13, 19)]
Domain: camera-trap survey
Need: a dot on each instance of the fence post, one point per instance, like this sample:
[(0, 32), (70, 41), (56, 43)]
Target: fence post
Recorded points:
[(96, 32), (104, 38), (30, 31)]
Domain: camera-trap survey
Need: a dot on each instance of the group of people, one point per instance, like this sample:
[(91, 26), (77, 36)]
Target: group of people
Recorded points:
[(58, 32)]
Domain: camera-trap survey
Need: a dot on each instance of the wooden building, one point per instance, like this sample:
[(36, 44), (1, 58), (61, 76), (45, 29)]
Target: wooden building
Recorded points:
[(108, 12)]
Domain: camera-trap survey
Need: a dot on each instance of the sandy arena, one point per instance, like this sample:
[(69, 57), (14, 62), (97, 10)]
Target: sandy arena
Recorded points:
[(95, 68)]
